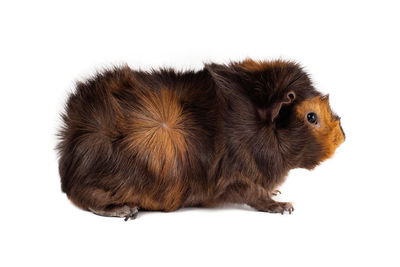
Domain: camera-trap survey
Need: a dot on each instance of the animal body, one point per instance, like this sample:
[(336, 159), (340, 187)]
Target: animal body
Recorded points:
[(162, 140)]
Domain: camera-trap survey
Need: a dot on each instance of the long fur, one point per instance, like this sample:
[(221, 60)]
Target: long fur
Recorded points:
[(163, 140)]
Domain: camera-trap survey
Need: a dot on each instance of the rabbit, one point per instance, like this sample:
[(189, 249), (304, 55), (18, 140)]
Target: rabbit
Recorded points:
[(162, 140)]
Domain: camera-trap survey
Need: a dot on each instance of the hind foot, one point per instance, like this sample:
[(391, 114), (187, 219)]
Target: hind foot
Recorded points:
[(274, 206), (129, 213), (280, 207)]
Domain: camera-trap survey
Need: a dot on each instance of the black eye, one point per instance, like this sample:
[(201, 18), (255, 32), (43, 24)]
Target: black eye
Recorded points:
[(312, 117)]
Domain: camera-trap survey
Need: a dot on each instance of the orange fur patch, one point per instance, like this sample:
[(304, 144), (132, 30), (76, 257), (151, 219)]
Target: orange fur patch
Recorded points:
[(156, 130), (328, 131), (252, 65), (156, 133)]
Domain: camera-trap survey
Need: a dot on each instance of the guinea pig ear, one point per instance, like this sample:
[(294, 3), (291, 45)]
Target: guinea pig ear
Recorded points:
[(222, 75), (276, 107)]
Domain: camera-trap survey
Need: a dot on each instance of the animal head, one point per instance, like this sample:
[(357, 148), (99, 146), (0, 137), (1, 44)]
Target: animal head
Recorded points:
[(272, 111)]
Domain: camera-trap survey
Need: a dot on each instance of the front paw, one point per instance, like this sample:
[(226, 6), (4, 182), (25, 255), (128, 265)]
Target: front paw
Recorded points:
[(276, 192)]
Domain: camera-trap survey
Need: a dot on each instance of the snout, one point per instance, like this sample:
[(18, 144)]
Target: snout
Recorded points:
[(338, 135), (341, 129)]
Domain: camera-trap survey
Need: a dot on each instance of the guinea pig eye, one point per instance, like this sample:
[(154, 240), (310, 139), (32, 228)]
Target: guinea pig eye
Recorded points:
[(312, 118)]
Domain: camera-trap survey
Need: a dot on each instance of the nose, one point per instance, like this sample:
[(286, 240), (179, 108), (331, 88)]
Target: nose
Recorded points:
[(344, 135)]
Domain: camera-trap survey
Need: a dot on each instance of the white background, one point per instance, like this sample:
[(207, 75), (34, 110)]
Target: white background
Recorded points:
[(346, 210)]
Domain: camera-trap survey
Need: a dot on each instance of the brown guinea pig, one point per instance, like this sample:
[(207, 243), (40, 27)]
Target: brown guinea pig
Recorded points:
[(163, 140)]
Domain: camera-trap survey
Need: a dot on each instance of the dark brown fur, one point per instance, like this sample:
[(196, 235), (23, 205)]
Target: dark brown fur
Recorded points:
[(163, 140)]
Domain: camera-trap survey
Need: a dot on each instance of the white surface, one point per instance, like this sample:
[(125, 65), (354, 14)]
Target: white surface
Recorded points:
[(346, 211)]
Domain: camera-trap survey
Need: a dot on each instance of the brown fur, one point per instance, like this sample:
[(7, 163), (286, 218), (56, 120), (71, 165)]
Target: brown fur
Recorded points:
[(163, 140)]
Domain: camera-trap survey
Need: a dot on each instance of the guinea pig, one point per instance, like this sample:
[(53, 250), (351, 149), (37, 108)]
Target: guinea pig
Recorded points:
[(161, 140)]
